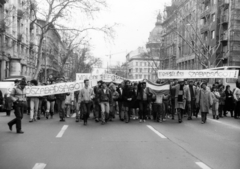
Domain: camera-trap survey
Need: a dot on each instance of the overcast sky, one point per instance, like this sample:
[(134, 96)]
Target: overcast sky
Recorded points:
[(136, 18)]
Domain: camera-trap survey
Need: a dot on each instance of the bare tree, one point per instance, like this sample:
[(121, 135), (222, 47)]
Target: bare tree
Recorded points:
[(85, 62), (56, 10), (187, 29)]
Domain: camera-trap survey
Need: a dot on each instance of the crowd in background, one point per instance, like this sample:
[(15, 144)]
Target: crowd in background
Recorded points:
[(128, 101)]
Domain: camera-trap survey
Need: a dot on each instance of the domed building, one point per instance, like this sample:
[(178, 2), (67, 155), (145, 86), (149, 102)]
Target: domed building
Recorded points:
[(155, 40)]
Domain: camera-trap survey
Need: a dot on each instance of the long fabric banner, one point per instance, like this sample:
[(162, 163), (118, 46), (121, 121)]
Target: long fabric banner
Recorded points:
[(197, 74), (80, 77), (158, 88)]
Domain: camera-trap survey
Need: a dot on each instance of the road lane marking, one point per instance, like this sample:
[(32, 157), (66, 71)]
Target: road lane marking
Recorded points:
[(202, 165), (156, 132), (39, 166), (60, 134)]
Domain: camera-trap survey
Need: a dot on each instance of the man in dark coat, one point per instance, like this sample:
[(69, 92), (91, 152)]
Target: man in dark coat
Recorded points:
[(127, 98), (120, 102)]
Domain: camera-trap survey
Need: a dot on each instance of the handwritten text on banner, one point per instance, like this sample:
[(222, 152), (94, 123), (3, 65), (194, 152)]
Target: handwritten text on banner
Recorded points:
[(197, 74)]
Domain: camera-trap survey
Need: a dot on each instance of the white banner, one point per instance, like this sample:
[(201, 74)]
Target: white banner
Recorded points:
[(80, 77), (197, 74), (54, 89)]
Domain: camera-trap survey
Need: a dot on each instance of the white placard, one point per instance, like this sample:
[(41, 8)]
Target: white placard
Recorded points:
[(197, 74)]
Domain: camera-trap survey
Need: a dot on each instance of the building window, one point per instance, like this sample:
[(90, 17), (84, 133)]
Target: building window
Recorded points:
[(213, 34), (136, 69), (145, 63), (136, 63), (140, 70)]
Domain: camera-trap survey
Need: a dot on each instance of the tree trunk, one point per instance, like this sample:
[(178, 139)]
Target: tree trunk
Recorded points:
[(39, 59)]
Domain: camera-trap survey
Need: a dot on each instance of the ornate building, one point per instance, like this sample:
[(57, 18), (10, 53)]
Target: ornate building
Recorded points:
[(142, 66)]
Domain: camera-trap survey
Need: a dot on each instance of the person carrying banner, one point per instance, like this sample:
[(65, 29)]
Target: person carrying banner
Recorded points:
[(135, 102), (50, 101), (60, 101), (97, 107), (85, 100), (34, 103), (143, 102), (127, 97), (105, 99), (18, 96), (204, 101), (180, 99), (190, 98)]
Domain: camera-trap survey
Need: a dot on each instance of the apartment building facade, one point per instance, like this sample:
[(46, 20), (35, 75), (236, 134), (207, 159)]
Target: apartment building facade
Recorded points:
[(229, 21), (15, 37), (141, 66)]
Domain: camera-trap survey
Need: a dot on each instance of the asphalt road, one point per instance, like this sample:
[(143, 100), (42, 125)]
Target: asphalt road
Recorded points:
[(51, 144)]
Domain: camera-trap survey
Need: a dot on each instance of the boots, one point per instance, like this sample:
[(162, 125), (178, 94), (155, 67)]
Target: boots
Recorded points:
[(214, 116)]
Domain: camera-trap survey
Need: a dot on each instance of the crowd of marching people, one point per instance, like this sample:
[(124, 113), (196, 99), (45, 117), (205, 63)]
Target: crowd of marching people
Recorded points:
[(128, 100)]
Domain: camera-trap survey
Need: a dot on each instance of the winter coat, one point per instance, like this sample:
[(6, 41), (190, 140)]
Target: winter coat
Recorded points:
[(204, 100)]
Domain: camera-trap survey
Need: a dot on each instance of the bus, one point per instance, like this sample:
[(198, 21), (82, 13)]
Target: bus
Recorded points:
[(225, 81)]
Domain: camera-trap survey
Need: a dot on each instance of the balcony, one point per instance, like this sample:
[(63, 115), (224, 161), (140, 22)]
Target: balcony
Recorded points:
[(206, 12), (224, 37), (204, 28), (224, 19), (224, 3)]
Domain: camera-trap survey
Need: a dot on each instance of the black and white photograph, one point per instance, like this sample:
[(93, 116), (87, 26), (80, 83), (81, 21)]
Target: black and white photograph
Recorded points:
[(119, 84)]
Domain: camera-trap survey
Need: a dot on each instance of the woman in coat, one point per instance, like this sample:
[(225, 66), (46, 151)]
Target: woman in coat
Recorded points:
[(229, 105), (204, 102)]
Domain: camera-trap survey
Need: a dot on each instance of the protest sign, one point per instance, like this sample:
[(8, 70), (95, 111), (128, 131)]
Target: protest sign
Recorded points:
[(197, 74), (83, 76), (6, 87), (59, 88), (94, 78)]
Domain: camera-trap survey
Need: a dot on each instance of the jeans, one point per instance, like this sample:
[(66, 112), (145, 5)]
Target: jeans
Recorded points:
[(143, 109), (215, 108), (160, 112), (60, 108), (85, 107), (191, 108), (121, 113), (50, 108), (104, 109), (19, 109), (34, 103)]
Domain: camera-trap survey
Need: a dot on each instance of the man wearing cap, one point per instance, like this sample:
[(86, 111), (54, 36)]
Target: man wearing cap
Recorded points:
[(18, 96)]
